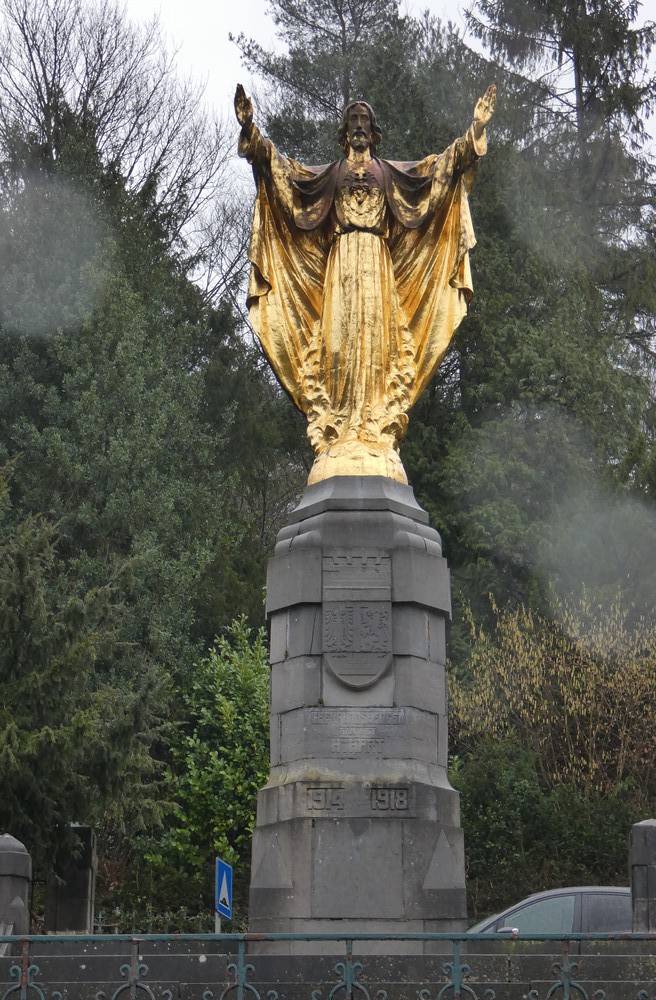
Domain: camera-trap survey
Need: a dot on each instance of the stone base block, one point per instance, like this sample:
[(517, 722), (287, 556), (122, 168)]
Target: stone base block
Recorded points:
[(329, 857)]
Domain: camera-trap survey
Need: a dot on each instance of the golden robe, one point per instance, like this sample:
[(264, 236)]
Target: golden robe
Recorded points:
[(360, 276)]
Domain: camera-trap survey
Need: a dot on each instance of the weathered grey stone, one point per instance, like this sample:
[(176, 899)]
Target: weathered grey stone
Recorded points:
[(410, 631), (274, 737), (358, 782), (639, 881), (356, 615), (355, 493), (642, 843), (442, 743), (84, 970), (437, 805), (345, 882), (622, 973), (345, 825), (295, 683), (357, 573), (268, 800), (642, 868), (400, 800), (15, 885), (364, 948), (347, 732), (434, 871), (281, 869), (350, 530), (369, 529), (438, 626), (336, 694), (303, 631), (278, 637), (421, 578), (295, 632), (294, 577), (641, 914), (419, 683)]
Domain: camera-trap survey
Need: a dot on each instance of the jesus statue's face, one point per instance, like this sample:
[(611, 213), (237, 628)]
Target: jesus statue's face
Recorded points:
[(358, 128)]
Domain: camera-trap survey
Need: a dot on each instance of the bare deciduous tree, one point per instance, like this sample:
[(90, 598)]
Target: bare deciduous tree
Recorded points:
[(63, 58)]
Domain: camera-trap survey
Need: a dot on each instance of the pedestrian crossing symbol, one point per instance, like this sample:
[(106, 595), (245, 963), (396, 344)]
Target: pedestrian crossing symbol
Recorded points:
[(223, 901)]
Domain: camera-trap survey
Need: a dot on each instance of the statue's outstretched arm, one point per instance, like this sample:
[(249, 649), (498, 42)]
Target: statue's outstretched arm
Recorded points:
[(252, 143), (244, 111), (473, 144)]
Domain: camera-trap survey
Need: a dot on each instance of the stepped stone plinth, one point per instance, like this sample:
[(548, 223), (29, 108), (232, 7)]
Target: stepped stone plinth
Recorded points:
[(358, 828)]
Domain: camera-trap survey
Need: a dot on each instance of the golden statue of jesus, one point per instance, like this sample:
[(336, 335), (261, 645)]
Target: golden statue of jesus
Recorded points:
[(360, 276)]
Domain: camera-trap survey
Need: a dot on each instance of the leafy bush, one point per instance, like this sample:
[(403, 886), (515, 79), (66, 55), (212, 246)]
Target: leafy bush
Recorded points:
[(522, 837), (554, 750), (219, 761)]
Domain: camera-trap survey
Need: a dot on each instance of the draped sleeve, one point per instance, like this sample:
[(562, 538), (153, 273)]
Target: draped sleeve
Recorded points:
[(288, 256), (430, 242)]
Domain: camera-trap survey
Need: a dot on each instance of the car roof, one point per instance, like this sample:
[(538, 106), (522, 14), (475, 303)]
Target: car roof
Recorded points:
[(568, 888)]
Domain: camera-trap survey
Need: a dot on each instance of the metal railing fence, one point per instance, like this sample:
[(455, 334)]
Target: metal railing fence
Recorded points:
[(456, 955)]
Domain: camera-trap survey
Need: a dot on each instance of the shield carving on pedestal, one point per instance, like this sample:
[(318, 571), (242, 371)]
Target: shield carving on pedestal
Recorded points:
[(357, 615)]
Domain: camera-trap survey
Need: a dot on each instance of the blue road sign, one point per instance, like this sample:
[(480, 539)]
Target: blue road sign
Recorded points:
[(223, 889)]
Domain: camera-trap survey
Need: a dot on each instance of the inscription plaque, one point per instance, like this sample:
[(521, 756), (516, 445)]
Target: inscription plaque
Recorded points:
[(357, 615), (356, 716), (348, 732)]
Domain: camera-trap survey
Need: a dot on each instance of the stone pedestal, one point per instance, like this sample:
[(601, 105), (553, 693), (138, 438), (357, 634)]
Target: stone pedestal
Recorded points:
[(358, 829), (15, 885), (642, 870)]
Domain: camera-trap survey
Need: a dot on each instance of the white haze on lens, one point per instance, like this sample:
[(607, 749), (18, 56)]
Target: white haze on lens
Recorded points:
[(532, 496), (603, 543), (53, 257)]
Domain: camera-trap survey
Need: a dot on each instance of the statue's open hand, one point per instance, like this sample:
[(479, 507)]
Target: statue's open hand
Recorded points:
[(484, 109), (243, 108)]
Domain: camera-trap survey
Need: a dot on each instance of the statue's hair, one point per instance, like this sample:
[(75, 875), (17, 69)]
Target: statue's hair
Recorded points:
[(376, 131)]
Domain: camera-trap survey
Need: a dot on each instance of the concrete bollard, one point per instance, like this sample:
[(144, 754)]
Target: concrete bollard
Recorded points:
[(642, 870), (15, 884)]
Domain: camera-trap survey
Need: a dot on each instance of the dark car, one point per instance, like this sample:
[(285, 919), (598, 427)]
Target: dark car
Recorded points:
[(582, 909)]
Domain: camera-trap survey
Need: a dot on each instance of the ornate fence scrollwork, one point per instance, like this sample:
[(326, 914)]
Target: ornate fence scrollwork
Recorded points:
[(567, 988), (25, 988), (132, 973), (455, 988), (34, 967), (349, 971), (241, 970)]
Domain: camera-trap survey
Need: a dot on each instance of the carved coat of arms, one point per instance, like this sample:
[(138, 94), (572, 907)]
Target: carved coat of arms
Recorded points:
[(357, 615)]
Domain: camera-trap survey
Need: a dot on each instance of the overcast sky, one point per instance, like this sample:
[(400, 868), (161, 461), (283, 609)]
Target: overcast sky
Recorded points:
[(199, 29)]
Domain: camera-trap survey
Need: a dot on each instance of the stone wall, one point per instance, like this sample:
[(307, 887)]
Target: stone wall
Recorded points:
[(187, 970)]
